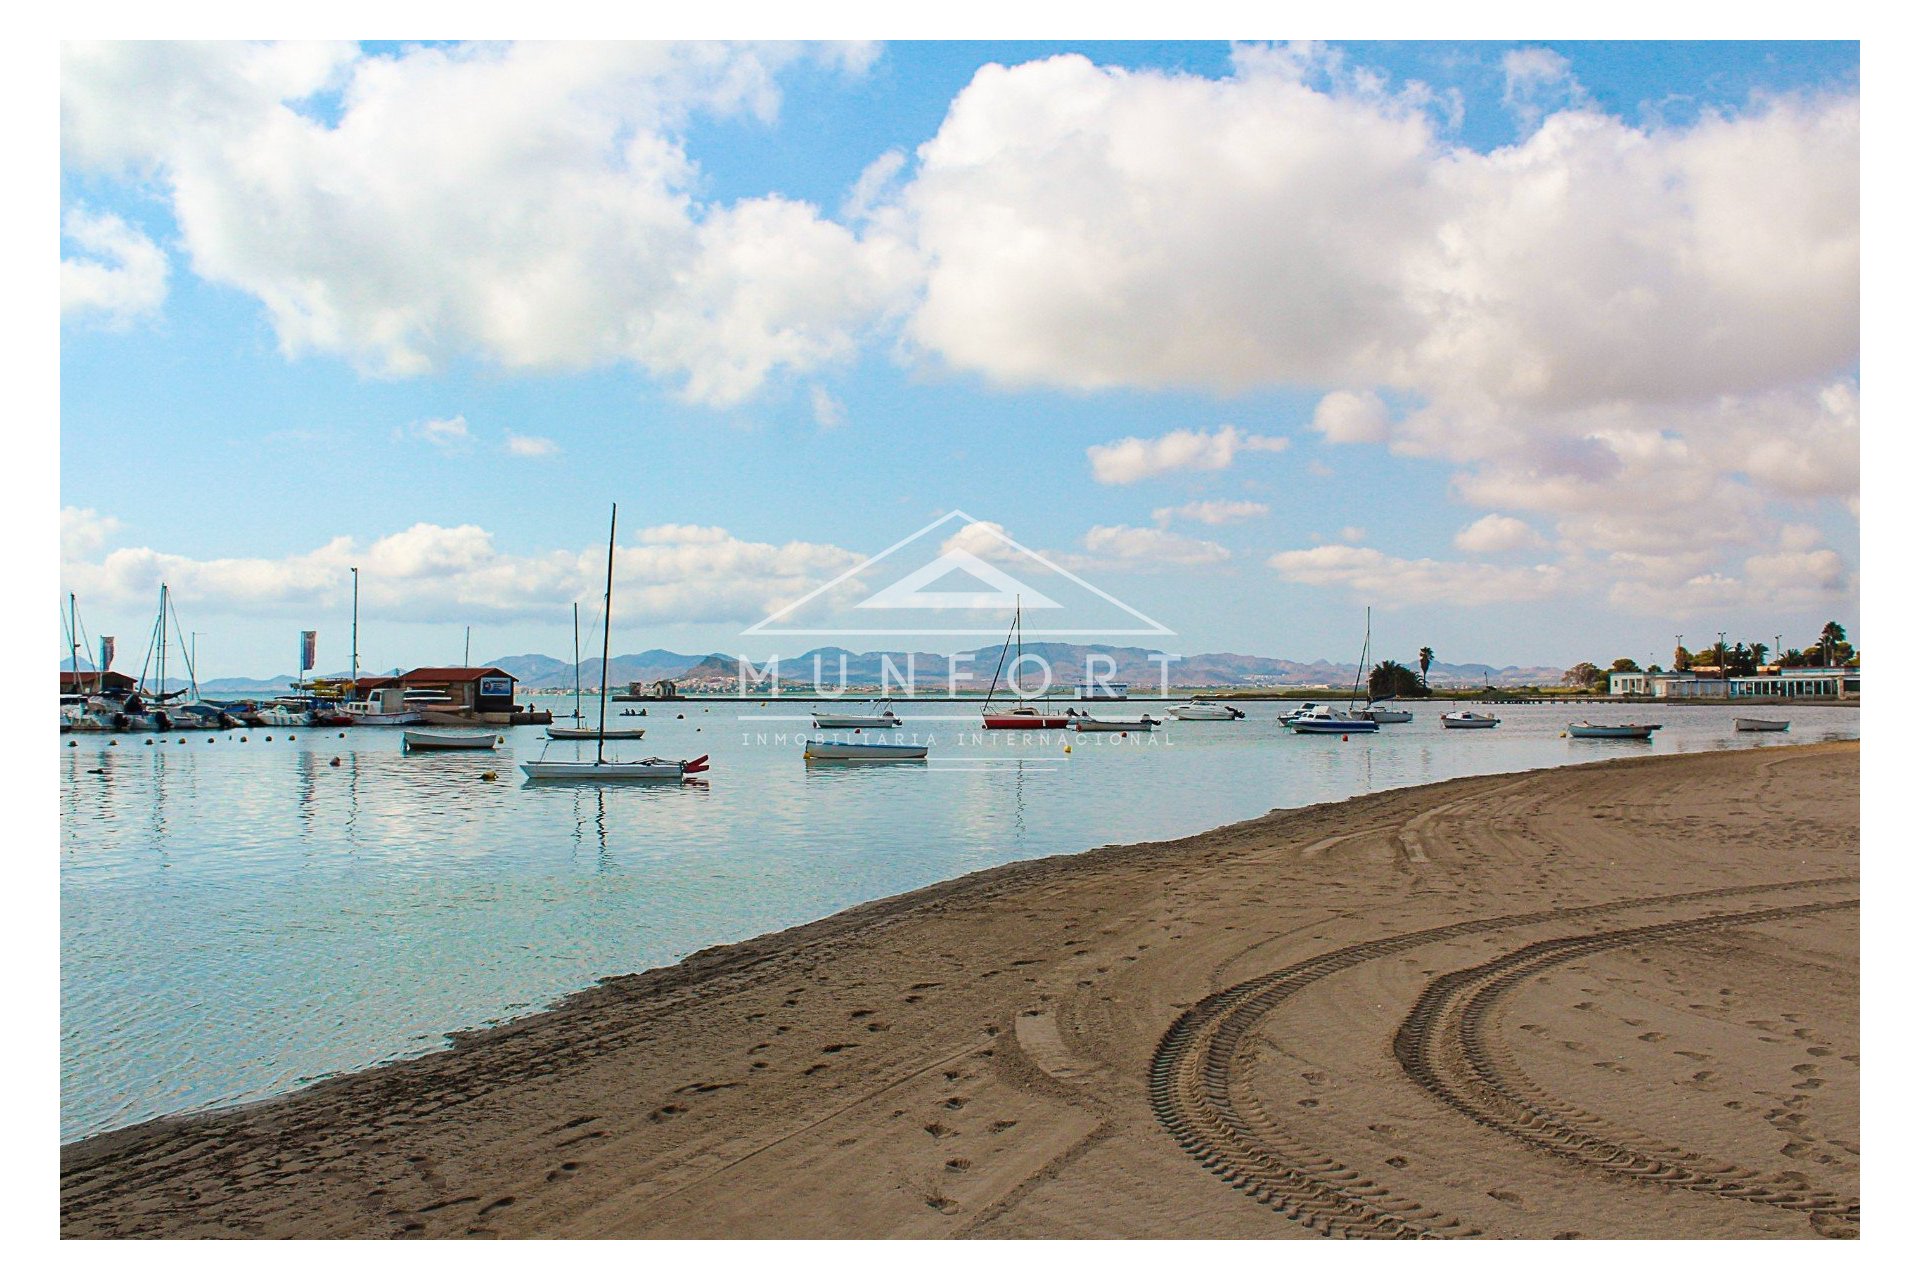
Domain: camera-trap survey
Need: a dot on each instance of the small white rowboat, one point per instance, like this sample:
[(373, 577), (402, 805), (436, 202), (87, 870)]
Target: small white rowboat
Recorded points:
[(567, 733), (863, 751), (833, 720), (1746, 724), (652, 769), (449, 739), (1468, 720), (1585, 729), (1087, 724)]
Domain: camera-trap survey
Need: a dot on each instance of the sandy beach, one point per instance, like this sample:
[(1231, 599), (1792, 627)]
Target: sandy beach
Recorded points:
[(1615, 1000)]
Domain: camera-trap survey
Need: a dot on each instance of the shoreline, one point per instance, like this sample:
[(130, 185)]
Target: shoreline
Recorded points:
[(1042, 992)]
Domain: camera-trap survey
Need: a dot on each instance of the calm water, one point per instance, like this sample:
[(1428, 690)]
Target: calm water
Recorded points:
[(239, 918)]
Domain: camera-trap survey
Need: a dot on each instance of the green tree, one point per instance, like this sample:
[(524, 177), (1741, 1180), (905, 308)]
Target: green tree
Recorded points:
[(1682, 660), (1390, 679), (1624, 664), (1582, 675), (1426, 660)]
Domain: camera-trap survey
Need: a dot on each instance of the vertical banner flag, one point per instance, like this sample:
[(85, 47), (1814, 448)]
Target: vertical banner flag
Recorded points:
[(307, 639), (106, 652)]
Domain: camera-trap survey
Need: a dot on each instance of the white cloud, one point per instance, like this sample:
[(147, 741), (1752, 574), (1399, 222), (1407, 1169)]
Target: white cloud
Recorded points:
[(1127, 546), (531, 446), (1133, 459), (449, 435), (828, 412), (1494, 533), (122, 276), (1388, 581), (432, 573), (84, 532), (1538, 80), (526, 204), (1212, 511), (1353, 533), (987, 539), (1351, 417)]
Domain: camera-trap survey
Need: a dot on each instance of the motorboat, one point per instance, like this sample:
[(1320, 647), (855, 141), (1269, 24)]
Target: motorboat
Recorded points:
[(1748, 724), (862, 751), (1468, 720), (1385, 715), (1288, 717), (1093, 724), (877, 717), (652, 769), (386, 706), (449, 739), (1206, 711), (1324, 719), (1586, 729), (283, 715), (571, 733)]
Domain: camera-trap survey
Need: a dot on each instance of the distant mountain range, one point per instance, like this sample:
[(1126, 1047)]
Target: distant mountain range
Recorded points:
[(1068, 662)]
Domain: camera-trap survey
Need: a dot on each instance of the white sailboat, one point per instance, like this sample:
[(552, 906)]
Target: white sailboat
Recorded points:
[(1319, 718), (601, 769), (577, 731), (879, 716)]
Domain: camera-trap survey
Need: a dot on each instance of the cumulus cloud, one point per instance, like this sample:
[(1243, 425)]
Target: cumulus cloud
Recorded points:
[(1389, 581), (119, 273), (828, 412), (1133, 459), (1351, 417), (1538, 80), (527, 204), (1130, 546), (449, 435), (531, 446), (1495, 533), (433, 573), (1211, 511)]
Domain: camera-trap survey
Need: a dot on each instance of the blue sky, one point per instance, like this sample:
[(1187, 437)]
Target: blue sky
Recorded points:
[(1547, 352)]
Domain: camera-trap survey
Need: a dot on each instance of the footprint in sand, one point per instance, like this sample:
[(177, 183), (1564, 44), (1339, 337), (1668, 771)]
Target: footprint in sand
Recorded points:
[(1651, 1037), (939, 1130), (1001, 1126), (959, 1163), (564, 1172)]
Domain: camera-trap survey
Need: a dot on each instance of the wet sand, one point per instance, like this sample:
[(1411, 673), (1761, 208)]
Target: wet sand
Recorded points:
[(1617, 1000)]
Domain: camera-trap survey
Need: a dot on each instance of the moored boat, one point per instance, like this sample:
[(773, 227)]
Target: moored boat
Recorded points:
[(1093, 724), (1022, 715), (386, 706), (568, 733), (1327, 720), (652, 769), (862, 751), (1586, 729), (1386, 715), (1206, 711), (1468, 720), (1288, 717), (1749, 724), (449, 739), (879, 716)]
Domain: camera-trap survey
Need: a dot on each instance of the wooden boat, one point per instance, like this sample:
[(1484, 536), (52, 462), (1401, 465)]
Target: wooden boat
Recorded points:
[(862, 751), (571, 733), (1023, 715), (1748, 724), (449, 739), (1586, 729), (1327, 720), (1206, 711), (880, 717), (1468, 720), (601, 769), (1092, 724)]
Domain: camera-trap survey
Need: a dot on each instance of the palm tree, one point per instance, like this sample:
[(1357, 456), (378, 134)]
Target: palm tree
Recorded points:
[(1426, 660), (1390, 679)]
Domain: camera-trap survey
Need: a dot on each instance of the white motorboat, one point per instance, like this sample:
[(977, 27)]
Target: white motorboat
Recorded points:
[(1093, 724), (1586, 729), (862, 751), (569, 733), (449, 739), (1468, 720), (652, 769), (1385, 715), (386, 706), (282, 715), (1326, 720), (1288, 717), (601, 769), (1748, 724), (878, 717), (1206, 711)]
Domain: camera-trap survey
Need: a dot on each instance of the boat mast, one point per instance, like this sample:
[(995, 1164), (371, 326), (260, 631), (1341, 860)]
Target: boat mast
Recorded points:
[(355, 690), (606, 641), (73, 639), (161, 692), (1365, 645), (576, 662)]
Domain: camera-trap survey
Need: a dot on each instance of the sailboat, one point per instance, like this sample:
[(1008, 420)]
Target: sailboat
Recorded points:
[(578, 732), (1324, 719), (601, 769), (1021, 715)]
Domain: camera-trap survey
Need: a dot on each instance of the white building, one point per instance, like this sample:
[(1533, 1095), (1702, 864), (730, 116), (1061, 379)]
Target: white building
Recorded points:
[(1794, 682)]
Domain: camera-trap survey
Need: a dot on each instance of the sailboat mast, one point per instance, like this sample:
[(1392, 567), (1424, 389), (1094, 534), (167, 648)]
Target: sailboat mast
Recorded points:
[(355, 645), (162, 625), (606, 642), (576, 662), (73, 639)]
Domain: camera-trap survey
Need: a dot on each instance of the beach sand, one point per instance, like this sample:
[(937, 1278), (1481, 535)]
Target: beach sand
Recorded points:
[(1617, 1000)]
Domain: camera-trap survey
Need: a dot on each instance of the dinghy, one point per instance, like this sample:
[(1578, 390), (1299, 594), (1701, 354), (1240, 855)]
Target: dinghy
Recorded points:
[(568, 733), (1206, 711), (1386, 715), (1747, 724), (1468, 720), (1091, 724), (862, 751), (879, 717), (1585, 729), (449, 739)]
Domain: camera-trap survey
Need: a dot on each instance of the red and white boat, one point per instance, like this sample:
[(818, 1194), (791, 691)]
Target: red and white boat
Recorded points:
[(1021, 715)]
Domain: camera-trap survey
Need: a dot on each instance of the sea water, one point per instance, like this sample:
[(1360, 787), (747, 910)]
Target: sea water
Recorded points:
[(239, 918)]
